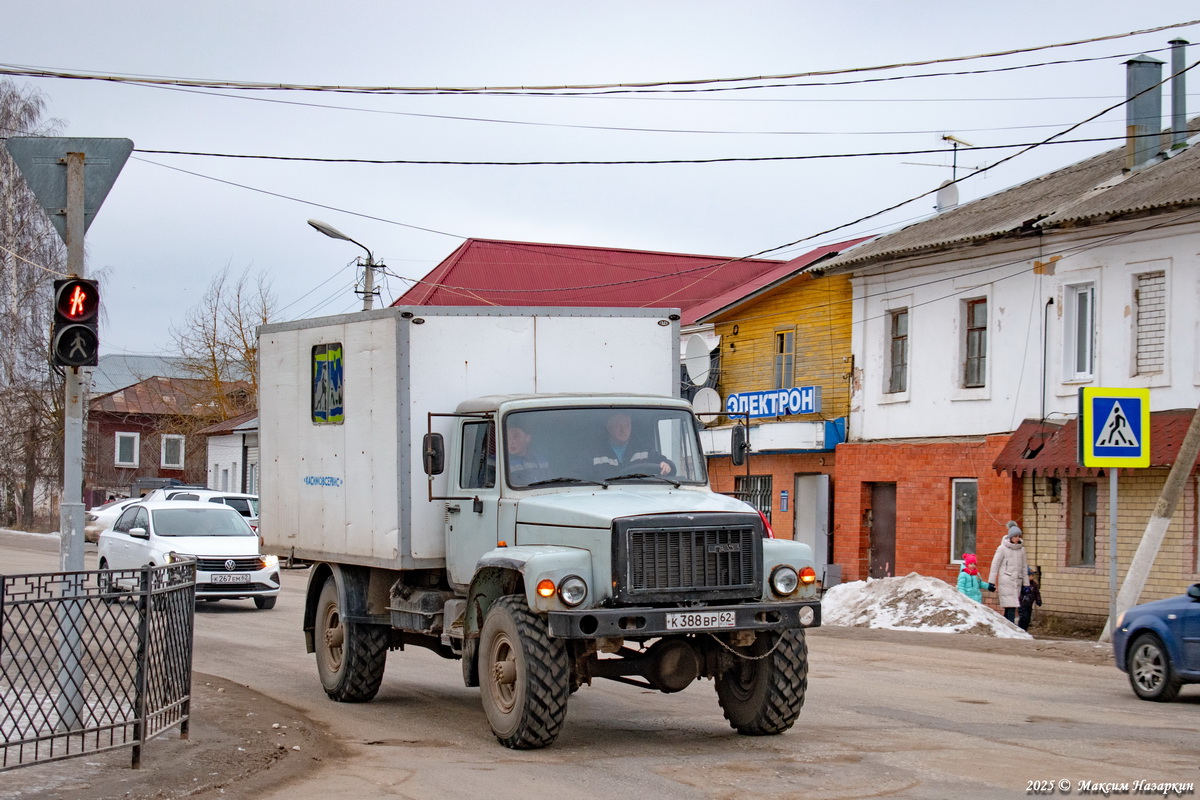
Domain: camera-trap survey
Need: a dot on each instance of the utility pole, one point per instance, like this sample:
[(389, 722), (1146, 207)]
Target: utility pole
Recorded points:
[(368, 291)]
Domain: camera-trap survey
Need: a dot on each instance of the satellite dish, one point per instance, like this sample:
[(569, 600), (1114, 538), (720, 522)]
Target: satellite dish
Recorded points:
[(706, 404), (696, 359), (947, 196)]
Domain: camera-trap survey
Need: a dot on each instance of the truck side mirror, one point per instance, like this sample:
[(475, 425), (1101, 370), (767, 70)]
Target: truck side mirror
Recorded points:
[(739, 446), (433, 454)]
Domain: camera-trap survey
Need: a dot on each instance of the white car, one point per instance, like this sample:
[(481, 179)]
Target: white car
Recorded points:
[(228, 563), (101, 518), (244, 504)]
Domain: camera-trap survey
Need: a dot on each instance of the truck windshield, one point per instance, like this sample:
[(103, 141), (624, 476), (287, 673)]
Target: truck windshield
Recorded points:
[(615, 444)]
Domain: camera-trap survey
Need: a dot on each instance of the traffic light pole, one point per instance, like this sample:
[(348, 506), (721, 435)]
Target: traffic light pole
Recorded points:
[(71, 510), (70, 675)]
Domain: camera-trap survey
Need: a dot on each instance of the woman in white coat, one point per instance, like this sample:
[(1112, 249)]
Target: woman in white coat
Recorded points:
[(1010, 571)]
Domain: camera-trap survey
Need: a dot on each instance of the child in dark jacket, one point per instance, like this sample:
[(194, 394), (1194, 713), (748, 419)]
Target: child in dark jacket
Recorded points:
[(1029, 596)]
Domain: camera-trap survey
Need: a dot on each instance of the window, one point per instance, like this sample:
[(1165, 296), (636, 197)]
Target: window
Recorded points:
[(127, 450), (785, 359), (975, 363), (1079, 332), (327, 384), (172, 451), (755, 490), (1150, 326), (478, 466), (1081, 550), (898, 355), (966, 501)]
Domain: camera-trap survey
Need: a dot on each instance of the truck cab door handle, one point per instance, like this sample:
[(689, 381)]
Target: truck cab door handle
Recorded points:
[(453, 509)]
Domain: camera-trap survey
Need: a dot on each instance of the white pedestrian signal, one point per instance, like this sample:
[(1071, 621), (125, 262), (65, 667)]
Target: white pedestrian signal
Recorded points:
[(1116, 432)]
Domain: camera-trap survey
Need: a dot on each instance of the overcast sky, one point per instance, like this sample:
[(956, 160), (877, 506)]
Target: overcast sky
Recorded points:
[(172, 222)]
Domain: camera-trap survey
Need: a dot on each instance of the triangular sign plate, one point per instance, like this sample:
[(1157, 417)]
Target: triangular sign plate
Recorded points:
[(42, 161)]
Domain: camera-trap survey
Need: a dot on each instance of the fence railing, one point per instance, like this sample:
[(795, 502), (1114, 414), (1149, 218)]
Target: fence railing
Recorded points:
[(93, 661)]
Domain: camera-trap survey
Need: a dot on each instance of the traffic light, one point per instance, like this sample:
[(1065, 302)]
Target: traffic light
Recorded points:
[(74, 340)]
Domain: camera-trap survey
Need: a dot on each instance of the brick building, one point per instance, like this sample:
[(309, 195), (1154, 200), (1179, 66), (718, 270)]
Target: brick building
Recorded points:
[(148, 430)]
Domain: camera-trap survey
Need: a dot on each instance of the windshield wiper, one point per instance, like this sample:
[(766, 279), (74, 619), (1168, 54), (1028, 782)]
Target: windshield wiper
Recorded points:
[(565, 479), (663, 478)]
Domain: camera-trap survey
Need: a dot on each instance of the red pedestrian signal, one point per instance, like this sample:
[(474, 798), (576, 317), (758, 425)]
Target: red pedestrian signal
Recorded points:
[(74, 335)]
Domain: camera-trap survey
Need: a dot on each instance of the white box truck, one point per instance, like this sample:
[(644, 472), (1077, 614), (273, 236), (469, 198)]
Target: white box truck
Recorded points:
[(523, 490)]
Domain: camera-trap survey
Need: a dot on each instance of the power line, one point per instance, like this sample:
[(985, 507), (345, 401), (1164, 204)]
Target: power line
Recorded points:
[(259, 86), (627, 162), (297, 199)]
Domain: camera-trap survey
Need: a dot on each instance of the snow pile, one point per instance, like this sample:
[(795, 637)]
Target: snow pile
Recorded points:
[(912, 603)]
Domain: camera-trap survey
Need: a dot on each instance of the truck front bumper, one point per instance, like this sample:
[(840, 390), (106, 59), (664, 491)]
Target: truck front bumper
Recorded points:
[(605, 623)]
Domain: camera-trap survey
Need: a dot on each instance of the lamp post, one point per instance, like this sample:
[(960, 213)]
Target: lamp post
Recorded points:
[(368, 291)]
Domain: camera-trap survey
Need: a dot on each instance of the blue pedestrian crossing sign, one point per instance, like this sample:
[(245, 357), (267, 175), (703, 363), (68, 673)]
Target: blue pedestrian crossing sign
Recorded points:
[(1114, 427)]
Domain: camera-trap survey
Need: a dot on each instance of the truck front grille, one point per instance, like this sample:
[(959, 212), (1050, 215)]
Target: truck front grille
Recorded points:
[(680, 558)]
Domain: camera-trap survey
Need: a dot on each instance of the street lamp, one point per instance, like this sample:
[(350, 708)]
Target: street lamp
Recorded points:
[(368, 291)]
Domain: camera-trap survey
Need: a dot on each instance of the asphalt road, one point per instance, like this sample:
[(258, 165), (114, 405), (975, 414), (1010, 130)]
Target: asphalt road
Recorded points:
[(887, 715)]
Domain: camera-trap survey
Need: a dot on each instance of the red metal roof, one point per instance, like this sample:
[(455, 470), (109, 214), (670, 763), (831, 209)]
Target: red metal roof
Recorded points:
[(1049, 449), (491, 272)]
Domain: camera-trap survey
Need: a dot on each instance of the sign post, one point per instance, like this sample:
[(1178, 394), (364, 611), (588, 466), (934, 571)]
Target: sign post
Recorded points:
[(1114, 432)]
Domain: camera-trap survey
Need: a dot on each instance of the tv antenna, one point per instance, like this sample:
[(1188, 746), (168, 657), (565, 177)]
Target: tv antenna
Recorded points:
[(947, 197), (956, 143)]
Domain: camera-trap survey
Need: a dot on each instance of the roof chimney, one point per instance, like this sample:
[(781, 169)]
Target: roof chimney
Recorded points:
[(1178, 94), (1143, 110)]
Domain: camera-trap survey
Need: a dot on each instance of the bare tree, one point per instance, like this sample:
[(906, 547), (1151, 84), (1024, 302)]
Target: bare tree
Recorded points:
[(219, 339), (31, 256)]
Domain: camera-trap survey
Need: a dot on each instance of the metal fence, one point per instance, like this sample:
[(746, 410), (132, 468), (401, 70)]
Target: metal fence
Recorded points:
[(92, 661)]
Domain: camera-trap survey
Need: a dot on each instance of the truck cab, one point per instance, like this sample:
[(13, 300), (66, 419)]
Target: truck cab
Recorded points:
[(593, 513)]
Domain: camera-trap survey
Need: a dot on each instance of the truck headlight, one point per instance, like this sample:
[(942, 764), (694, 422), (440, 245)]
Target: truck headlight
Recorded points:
[(572, 590), (784, 580)]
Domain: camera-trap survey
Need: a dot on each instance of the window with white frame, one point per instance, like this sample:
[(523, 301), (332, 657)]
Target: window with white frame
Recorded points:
[(785, 358), (1150, 323), (898, 351), (1079, 332), (172, 451), (975, 345), (964, 523), (127, 449)]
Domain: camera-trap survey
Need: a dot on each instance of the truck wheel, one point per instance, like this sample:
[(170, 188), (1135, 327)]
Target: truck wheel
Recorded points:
[(1150, 671), (762, 694), (524, 675), (350, 657)]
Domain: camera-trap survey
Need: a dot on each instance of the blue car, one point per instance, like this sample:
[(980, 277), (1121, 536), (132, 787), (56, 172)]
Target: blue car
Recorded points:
[(1158, 644)]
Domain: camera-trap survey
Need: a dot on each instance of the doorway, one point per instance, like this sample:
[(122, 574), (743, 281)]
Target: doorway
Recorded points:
[(810, 518), (881, 531)]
